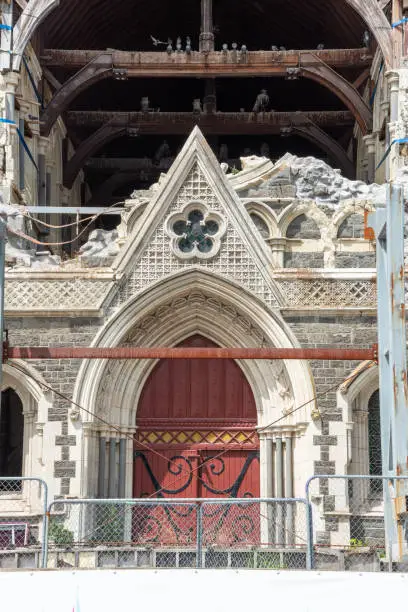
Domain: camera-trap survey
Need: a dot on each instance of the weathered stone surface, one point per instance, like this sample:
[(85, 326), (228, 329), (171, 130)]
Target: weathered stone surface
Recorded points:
[(64, 469), (100, 250), (65, 441), (325, 440), (303, 260)]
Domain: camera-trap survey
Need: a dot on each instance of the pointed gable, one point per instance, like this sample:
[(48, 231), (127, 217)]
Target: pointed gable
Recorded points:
[(196, 220)]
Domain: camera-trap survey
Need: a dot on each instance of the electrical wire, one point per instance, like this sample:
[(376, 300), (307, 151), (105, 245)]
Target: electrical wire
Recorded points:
[(21, 234), (92, 218), (146, 446)]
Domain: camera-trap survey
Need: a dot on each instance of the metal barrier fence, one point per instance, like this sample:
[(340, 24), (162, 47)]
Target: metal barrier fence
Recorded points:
[(239, 533), (23, 519), (349, 522), (339, 525)]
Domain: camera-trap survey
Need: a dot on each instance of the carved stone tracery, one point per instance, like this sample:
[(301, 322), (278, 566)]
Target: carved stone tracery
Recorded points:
[(184, 306)]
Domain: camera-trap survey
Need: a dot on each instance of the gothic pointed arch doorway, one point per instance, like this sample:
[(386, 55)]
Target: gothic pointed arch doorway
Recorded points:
[(196, 430)]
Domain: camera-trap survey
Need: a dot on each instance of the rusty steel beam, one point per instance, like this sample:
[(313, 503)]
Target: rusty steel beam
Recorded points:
[(217, 63), (189, 353)]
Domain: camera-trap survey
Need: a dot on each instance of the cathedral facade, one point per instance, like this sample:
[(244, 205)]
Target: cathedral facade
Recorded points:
[(203, 232)]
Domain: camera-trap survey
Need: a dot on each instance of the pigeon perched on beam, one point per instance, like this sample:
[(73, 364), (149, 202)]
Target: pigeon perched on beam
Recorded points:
[(156, 41)]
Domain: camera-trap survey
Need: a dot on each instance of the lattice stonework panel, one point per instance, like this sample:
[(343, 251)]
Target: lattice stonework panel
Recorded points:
[(232, 261), (51, 295), (198, 437), (328, 293)]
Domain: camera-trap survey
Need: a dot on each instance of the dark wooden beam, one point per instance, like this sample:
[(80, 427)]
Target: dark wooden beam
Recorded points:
[(309, 64), (214, 124), (325, 75), (115, 128), (215, 63)]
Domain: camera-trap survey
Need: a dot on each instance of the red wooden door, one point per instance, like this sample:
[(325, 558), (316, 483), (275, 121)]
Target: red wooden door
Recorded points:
[(192, 410), (196, 438)]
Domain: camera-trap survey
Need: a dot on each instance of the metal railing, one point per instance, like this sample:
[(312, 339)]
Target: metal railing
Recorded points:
[(349, 519), (341, 524), (23, 512)]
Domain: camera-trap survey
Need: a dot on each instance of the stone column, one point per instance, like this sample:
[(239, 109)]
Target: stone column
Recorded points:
[(280, 509), (42, 171), (278, 247), (207, 34), (266, 489), (393, 162), (102, 467), (370, 142), (8, 136), (290, 527)]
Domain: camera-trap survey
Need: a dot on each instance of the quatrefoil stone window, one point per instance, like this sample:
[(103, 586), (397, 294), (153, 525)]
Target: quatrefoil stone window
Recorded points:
[(195, 232)]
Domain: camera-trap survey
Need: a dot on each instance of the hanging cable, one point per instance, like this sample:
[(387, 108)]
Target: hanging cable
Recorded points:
[(146, 446)]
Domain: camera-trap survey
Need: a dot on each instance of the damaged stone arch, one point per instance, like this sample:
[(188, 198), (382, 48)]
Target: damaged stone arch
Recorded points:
[(32, 16), (309, 209), (187, 303)]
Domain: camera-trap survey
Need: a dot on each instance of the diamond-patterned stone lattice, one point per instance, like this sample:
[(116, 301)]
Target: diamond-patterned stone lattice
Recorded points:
[(329, 293), (234, 261), (55, 295)]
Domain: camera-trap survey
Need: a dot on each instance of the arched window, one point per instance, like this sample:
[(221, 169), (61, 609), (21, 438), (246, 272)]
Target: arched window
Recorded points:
[(352, 227), (374, 441), (260, 225), (11, 434)]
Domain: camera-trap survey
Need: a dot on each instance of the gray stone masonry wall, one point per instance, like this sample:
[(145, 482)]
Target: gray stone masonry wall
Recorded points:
[(352, 227), (59, 374), (355, 260), (317, 331), (334, 332), (303, 260), (303, 228)]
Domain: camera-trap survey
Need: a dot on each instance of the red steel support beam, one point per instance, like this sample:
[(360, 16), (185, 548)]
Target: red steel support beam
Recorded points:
[(189, 353)]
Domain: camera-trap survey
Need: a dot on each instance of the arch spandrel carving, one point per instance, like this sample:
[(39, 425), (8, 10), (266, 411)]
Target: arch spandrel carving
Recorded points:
[(189, 303)]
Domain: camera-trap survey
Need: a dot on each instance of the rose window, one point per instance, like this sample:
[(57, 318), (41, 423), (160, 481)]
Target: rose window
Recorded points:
[(196, 232)]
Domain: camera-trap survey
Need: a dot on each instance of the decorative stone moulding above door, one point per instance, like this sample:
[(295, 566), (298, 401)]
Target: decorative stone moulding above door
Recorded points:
[(195, 231)]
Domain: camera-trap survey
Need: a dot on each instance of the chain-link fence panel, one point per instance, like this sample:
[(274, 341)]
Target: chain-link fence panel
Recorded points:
[(173, 533), (245, 533), (23, 522), (123, 533), (351, 530)]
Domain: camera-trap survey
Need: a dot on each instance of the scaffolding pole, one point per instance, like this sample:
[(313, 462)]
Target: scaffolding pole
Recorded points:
[(388, 224)]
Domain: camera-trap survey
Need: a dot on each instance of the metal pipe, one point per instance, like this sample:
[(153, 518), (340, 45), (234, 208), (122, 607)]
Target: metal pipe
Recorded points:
[(369, 354), (112, 483), (122, 467), (280, 533), (102, 467), (289, 490)]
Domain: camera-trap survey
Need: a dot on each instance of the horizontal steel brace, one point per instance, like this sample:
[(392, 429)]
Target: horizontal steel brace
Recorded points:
[(71, 210), (188, 353)]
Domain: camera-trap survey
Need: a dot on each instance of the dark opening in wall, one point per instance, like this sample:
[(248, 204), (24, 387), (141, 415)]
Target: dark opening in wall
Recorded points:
[(11, 435)]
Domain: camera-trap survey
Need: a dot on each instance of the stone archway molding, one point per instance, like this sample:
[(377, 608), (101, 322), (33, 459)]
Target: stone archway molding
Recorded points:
[(32, 16), (195, 301)]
